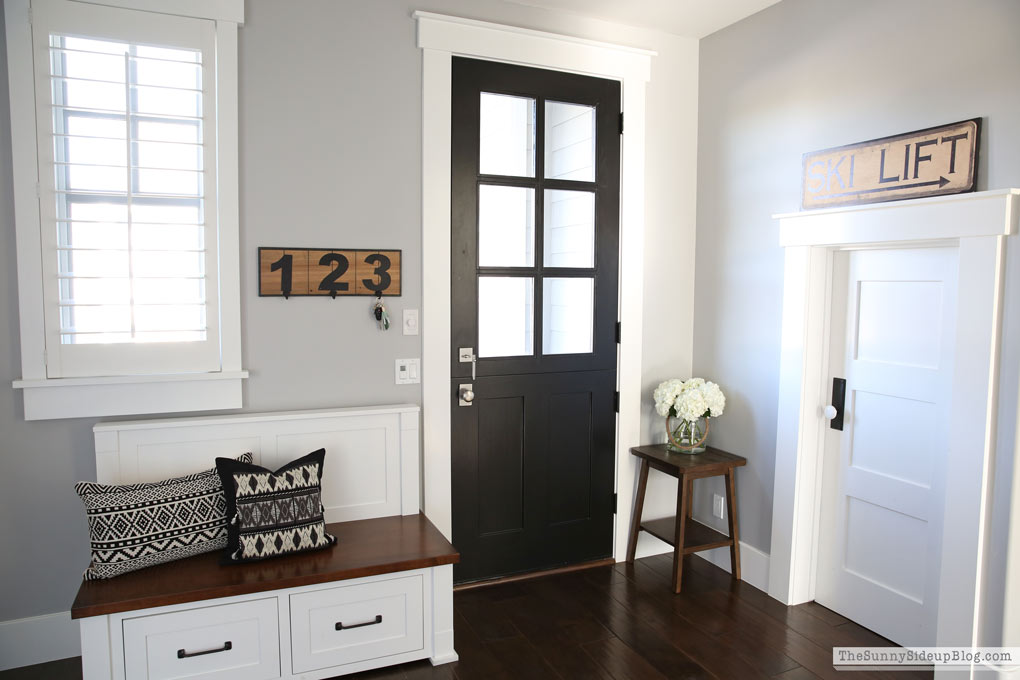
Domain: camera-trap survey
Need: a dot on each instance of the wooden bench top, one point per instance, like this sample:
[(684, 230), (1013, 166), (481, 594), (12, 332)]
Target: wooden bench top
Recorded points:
[(364, 548)]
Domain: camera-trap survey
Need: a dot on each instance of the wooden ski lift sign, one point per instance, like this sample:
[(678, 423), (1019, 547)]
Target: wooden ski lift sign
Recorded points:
[(932, 162)]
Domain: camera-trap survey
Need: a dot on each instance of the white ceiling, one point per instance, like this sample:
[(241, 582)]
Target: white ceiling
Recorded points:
[(690, 18)]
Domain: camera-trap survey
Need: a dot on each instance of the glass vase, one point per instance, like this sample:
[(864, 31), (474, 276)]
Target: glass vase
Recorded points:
[(687, 436)]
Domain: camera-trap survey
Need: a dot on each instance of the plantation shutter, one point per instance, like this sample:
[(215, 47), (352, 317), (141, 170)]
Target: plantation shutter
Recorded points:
[(127, 127)]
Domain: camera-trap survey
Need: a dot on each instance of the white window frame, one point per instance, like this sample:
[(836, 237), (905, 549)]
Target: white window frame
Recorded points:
[(69, 397)]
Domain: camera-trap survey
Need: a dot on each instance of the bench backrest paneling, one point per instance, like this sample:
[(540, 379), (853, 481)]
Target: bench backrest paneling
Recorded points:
[(371, 468)]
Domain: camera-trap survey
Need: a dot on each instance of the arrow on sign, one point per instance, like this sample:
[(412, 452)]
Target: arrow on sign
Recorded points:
[(941, 182)]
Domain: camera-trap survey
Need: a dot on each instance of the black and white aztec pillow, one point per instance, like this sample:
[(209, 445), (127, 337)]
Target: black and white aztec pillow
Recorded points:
[(132, 526), (274, 513)]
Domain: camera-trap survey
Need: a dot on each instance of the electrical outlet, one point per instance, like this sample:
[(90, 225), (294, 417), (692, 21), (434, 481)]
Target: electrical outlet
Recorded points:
[(718, 508)]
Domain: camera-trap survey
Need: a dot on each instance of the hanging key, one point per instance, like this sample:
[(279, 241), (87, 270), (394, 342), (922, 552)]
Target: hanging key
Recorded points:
[(382, 318)]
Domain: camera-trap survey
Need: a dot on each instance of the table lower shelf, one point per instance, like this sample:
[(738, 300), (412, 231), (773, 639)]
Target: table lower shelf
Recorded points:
[(697, 536)]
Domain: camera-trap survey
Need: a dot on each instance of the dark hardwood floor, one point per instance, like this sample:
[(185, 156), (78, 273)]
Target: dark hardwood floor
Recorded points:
[(621, 623)]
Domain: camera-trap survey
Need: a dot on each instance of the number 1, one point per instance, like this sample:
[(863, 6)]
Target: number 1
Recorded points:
[(286, 263)]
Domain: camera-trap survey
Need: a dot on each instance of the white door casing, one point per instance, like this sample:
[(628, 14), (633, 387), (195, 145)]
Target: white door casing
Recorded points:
[(977, 223), (440, 38), (880, 532)]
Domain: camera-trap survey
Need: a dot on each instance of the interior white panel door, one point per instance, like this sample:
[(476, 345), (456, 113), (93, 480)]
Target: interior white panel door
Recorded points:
[(893, 334)]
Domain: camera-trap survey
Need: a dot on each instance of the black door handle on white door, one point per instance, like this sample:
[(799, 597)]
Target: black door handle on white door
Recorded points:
[(837, 404)]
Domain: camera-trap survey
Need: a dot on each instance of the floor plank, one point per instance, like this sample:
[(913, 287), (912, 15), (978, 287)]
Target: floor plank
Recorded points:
[(621, 622), (799, 673), (622, 662)]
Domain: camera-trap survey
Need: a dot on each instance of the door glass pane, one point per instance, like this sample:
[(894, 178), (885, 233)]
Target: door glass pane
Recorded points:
[(569, 228), (505, 306), (506, 143), (506, 226), (568, 315), (570, 141)]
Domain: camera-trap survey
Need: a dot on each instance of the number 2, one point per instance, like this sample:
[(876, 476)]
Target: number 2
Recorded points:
[(329, 281)]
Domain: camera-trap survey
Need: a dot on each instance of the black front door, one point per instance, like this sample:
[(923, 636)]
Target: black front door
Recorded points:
[(535, 242)]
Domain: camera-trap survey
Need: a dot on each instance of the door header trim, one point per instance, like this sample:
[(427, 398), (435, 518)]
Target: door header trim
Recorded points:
[(486, 40)]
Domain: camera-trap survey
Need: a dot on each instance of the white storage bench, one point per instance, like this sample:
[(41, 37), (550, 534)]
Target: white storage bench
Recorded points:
[(382, 595)]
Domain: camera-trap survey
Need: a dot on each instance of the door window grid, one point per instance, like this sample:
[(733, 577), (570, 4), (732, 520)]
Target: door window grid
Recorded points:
[(506, 144), (129, 191), (566, 252)]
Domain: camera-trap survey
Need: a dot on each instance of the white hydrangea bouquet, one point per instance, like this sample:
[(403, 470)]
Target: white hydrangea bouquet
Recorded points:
[(692, 401)]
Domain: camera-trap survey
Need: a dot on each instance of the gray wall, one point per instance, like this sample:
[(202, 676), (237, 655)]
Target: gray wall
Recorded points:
[(812, 74), (330, 146)]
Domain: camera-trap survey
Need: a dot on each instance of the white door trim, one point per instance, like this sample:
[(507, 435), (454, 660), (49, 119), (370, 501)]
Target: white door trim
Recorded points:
[(978, 223), (440, 38)]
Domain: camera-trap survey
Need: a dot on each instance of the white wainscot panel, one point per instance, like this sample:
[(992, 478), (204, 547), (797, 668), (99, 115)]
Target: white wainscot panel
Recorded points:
[(358, 465), (142, 461)]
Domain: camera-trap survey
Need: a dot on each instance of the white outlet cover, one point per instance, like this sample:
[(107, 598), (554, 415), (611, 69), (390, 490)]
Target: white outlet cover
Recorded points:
[(718, 507)]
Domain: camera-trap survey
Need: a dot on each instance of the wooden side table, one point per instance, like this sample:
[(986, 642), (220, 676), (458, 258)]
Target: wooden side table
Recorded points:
[(686, 536)]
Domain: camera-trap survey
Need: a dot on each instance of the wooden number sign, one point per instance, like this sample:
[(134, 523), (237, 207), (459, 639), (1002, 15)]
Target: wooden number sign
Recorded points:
[(932, 162), (284, 272)]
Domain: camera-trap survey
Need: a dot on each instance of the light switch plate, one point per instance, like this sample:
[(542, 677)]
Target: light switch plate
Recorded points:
[(410, 322), (407, 371)]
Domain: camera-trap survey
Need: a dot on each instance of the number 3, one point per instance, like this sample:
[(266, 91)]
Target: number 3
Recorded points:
[(382, 265)]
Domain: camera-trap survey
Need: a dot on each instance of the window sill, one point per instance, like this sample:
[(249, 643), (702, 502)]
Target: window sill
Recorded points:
[(48, 399)]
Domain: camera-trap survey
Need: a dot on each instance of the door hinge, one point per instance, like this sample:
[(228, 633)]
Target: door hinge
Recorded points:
[(618, 333), (616, 498), (621, 122), (616, 401)]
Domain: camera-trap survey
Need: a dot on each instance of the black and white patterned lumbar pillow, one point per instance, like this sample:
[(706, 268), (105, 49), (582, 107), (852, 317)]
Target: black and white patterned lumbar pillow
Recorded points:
[(133, 526), (274, 513)]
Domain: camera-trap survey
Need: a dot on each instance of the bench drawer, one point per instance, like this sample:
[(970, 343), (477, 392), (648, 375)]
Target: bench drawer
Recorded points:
[(347, 624), (225, 642)]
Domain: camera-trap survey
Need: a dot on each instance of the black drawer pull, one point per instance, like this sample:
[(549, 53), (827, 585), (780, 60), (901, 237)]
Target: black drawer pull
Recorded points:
[(340, 624), (227, 646)]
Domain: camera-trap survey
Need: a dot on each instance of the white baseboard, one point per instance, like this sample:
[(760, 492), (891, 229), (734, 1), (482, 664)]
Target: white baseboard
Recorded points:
[(25, 642), (754, 564)]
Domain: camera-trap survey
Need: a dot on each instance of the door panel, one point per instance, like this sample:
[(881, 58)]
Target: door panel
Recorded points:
[(535, 233), (884, 474), (570, 468), (501, 464)]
